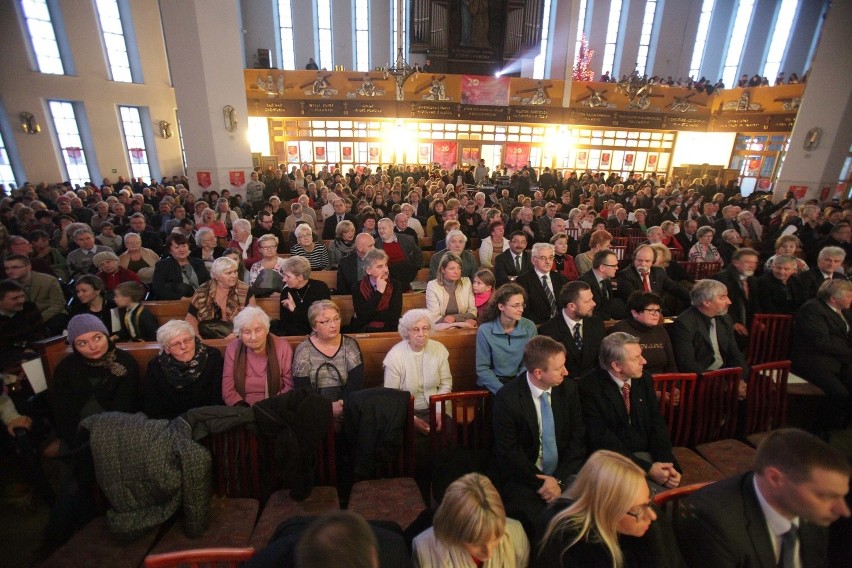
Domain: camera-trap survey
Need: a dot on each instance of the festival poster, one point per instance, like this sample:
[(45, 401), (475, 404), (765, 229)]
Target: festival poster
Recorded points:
[(293, 153), (319, 151), (445, 153), (474, 155), (484, 90), (629, 160), (137, 155), (238, 178), (346, 152), (798, 191), (582, 159), (424, 152), (204, 179), (374, 152), (606, 159), (754, 166), (652, 161), (465, 156), (517, 155)]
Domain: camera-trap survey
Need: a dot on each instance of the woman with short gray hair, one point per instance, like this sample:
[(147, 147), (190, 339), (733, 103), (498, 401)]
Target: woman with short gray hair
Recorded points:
[(456, 241), (269, 259), (343, 243), (305, 246), (297, 296), (216, 303)]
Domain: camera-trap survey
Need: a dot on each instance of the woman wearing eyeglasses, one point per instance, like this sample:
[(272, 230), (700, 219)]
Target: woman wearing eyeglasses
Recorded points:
[(604, 521), (646, 323)]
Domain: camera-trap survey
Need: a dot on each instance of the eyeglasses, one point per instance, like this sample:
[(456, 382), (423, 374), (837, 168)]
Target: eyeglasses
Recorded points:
[(610, 265), (516, 306), (266, 247), (652, 311), (182, 344), (545, 258), (642, 511), (328, 321)]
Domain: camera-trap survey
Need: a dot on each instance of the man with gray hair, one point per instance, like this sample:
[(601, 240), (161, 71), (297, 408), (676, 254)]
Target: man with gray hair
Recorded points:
[(829, 267), (542, 285), (621, 413), (80, 260), (703, 335)]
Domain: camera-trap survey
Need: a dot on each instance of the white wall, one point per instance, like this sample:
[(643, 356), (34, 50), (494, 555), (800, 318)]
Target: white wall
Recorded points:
[(703, 148)]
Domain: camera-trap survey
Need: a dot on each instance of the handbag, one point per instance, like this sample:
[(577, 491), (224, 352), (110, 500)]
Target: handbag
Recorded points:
[(215, 329), (268, 282)]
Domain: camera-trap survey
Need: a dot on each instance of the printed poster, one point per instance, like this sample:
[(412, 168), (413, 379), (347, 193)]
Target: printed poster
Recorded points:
[(204, 179), (293, 153), (444, 153), (517, 155), (484, 90), (238, 178), (346, 151), (582, 159), (606, 159), (423, 153)]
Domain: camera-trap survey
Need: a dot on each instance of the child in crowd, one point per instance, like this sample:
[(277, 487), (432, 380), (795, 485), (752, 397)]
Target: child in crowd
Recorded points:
[(483, 287), (136, 323)]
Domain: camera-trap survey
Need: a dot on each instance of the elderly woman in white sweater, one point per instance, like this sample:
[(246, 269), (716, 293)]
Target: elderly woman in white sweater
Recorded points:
[(449, 297), (418, 365)]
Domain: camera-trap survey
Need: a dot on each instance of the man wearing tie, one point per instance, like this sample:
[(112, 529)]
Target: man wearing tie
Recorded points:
[(777, 515), (599, 279), (538, 433), (541, 284), (575, 326), (738, 278), (330, 225), (511, 263), (643, 275)]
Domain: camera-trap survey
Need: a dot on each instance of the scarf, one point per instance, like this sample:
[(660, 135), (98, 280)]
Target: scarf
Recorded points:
[(180, 374), (108, 361), (206, 304), (366, 289), (273, 372)]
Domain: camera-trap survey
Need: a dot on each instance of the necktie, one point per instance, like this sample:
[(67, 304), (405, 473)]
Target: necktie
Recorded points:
[(714, 341), (549, 294), (788, 548), (625, 395), (646, 283), (339, 218), (518, 264), (744, 282), (605, 289), (578, 338), (549, 456)]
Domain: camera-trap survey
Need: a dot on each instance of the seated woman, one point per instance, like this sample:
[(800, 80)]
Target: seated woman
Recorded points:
[(258, 365), (562, 261), (208, 248), (185, 375), (96, 377), (217, 302), (704, 250), (236, 256), (470, 528), (299, 292), (316, 253), (502, 335), (343, 243), (269, 259), (377, 299), (92, 299), (604, 520), (494, 244), (483, 286), (327, 361), (456, 241), (788, 245), (137, 258), (777, 291), (646, 323), (449, 297), (599, 240), (177, 276), (208, 220), (418, 365), (111, 272)]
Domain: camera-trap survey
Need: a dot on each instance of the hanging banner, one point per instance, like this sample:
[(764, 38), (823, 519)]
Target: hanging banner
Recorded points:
[(204, 179), (582, 159), (75, 155), (754, 166), (484, 90), (629, 160), (606, 159), (424, 152), (137, 155), (445, 153), (293, 153), (347, 152), (517, 155), (238, 178), (319, 152)]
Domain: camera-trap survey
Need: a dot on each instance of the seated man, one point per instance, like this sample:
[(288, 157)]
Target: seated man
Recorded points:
[(330, 224), (703, 335), (538, 433), (643, 275), (404, 256), (20, 322), (821, 350), (81, 260), (776, 515), (511, 263), (351, 268), (621, 413), (829, 266), (575, 326), (41, 289), (738, 278), (542, 285), (600, 281), (297, 216)]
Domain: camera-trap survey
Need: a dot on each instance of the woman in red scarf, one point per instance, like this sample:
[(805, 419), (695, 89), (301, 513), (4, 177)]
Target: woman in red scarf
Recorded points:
[(378, 298)]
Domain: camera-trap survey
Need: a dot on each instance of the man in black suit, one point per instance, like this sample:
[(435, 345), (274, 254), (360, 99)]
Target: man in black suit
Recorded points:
[(265, 225), (775, 516), (703, 335), (728, 221), (577, 311), (643, 275), (709, 217), (738, 278), (821, 349), (542, 285), (621, 413), (829, 266), (329, 226), (620, 220), (511, 263), (538, 432), (350, 269), (600, 281), (686, 237)]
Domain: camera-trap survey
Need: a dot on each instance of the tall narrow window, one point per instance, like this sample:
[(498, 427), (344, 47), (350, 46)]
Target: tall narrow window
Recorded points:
[(612, 36), (737, 43), (645, 38), (7, 175), (70, 144), (326, 57), (134, 140), (43, 36), (116, 46), (701, 38), (581, 27), (780, 35), (541, 60), (362, 35), (285, 23), (400, 17)]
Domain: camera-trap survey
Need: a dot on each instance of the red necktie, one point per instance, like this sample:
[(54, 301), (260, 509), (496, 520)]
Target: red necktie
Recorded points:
[(646, 284), (625, 394), (745, 288)]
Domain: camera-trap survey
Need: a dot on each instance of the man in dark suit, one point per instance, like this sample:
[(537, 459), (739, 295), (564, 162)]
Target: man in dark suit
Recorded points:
[(330, 225), (775, 516), (738, 278), (821, 349), (542, 285), (703, 335), (709, 218), (643, 275), (350, 269), (620, 220), (507, 263), (600, 281), (686, 237), (728, 221), (829, 266), (538, 432), (577, 305), (621, 412)]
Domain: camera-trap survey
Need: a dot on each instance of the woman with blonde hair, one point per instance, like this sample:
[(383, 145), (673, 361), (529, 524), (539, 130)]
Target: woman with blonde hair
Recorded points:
[(449, 297), (606, 514), (470, 529)]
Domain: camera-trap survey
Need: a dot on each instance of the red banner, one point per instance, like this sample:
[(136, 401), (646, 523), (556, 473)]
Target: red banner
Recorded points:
[(484, 90), (517, 155), (204, 179), (445, 153), (238, 178)]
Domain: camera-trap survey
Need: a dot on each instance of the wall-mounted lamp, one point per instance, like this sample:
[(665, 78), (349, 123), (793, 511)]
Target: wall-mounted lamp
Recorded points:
[(165, 129), (29, 124), (230, 115)]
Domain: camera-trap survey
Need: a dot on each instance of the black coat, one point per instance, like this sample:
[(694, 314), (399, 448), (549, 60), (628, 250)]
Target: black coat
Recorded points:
[(629, 281), (742, 309), (329, 226), (612, 308), (160, 399), (538, 308), (577, 362), (811, 280), (822, 346), (366, 309), (777, 298), (167, 282), (504, 266), (347, 273), (691, 341)]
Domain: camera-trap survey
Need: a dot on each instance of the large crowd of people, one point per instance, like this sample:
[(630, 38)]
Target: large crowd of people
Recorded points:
[(537, 269)]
